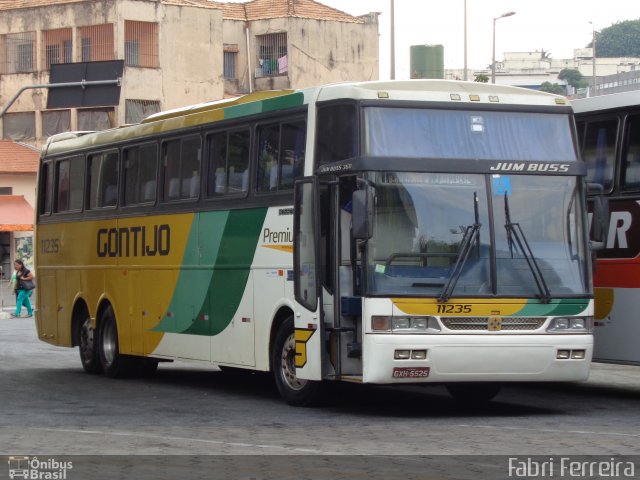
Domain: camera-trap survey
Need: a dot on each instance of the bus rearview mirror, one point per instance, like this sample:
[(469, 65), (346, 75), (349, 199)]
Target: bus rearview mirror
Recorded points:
[(601, 214)]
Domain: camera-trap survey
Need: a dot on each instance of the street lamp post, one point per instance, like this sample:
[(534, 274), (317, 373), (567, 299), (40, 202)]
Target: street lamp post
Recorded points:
[(464, 76), (593, 56), (493, 56)]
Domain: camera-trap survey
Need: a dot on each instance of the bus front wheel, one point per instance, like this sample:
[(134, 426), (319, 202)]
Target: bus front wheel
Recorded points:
[(87, 347), (114, 364), (294, 390)]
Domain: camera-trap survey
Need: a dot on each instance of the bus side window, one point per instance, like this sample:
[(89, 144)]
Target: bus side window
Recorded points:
[(103, 169), (46, 182), (631, 159), (140, 170), (281, 152), (181, 161), (600, 151), (69, 184)]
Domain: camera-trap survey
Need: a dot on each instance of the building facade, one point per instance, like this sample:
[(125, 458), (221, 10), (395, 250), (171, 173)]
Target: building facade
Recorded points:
[(175, 52)]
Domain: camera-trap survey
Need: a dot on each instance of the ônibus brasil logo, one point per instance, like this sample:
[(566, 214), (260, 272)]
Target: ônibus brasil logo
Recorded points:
[(38, 469)]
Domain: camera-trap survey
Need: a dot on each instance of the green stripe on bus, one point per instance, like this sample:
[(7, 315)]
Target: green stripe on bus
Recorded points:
[(555, 307), (268, 105), (231, 272)]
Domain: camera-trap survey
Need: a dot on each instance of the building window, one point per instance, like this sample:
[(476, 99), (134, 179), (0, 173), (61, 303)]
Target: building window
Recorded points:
[(56, 47), (18, 52), (272, 55), (230, 61), (93, 119), (138, 110), (96, 43), (55, 121), (141, 44), (19, 126), (6, 190)]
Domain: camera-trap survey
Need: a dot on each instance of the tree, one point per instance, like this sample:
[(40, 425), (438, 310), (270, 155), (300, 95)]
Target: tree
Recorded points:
[(552, 88), (622, 39), (573, 78), (482, 78)]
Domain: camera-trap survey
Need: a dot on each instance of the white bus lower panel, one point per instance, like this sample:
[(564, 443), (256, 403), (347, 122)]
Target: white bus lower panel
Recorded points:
[(476, 358)]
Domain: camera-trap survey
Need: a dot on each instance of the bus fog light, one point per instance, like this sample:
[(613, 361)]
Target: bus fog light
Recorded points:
[(419, 323), (563, 354), (578, 354), (400, 323), (380, 323), (402, 354), (418, 354)]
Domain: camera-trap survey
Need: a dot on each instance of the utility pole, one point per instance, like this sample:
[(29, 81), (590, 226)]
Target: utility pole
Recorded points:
[(393, 42)]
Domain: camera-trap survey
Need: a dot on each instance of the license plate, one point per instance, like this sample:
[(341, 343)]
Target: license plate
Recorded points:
[(411, 372)]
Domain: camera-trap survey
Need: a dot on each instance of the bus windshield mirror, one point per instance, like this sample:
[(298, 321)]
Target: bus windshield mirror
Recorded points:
[(516, 237), (471, 236)]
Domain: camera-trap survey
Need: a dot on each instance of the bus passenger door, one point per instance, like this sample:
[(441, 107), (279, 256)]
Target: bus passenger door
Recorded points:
[(308, 322)]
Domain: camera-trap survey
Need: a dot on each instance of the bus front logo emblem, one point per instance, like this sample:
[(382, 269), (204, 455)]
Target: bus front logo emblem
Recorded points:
[(495, 324)]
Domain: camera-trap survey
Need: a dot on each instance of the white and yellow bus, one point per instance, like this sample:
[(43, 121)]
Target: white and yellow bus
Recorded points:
[(609, 136), (380, 232)]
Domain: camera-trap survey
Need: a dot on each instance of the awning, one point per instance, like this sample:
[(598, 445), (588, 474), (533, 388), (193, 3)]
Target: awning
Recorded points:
[(16, 215)]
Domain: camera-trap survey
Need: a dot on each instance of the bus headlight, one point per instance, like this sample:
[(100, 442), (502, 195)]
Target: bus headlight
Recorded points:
[(405, 324), (571, 325)]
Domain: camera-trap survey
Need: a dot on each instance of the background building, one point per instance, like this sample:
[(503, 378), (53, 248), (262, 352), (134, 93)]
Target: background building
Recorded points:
[(176, 53)]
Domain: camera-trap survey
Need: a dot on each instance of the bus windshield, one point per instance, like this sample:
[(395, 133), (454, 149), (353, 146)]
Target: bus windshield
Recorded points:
[(486, 135), (477, 235)]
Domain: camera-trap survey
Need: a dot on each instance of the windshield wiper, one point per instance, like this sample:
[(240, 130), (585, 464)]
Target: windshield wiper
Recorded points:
[(471, 235), (515, 236)]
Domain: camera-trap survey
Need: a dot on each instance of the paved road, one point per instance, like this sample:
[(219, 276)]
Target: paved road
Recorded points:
[(49, 406)]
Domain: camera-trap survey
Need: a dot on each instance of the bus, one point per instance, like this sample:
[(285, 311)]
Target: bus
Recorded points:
[(609, 138), (403, 232)]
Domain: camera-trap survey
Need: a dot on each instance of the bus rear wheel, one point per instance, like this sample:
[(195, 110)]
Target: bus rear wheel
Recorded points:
[(87, 347), (114, 364), (295, 391)]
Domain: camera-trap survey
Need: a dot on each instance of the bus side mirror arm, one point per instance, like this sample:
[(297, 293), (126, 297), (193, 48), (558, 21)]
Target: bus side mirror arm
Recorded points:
[(362, 214), (600, 219)]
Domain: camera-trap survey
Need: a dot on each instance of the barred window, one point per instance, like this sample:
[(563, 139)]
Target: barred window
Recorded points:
[(230, 61), (141, 44), (272, 55), (18, 52), (96, 43), (138, 110), (56, 47)]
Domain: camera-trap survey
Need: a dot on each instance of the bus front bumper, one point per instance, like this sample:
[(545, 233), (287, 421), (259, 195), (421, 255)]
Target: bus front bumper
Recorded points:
[(476, 358)]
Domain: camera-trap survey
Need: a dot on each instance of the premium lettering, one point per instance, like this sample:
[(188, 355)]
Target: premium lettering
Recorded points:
[(530, 167), (138, 241), (277, 237)]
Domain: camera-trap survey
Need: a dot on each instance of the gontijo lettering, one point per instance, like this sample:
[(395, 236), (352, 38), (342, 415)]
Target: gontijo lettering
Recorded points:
[(138, 241)]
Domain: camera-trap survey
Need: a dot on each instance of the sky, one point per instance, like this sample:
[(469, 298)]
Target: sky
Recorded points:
[(556, 26)]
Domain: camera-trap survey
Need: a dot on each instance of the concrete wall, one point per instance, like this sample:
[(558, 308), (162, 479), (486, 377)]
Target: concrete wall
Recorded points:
[(319, 52)]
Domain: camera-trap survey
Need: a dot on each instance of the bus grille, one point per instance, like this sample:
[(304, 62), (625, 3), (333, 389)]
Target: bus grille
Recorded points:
[(482, 323)]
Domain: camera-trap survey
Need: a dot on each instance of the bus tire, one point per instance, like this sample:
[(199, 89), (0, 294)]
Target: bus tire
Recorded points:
[(114, 364), (87, 346), (473, 394), (294, 391)]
